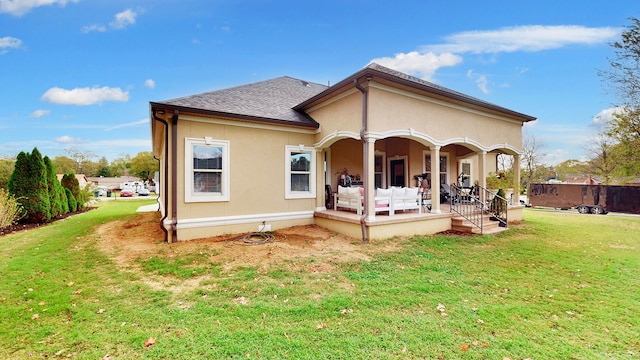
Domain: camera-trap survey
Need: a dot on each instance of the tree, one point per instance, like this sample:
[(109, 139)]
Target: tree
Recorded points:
[(144, 165), (64, 165), (6, 168), (530, 158), (54, 188), (81, 159), (120, 166), (103, 167), (72, 203), (623, 77), (28, 184), (70, 182), (570, 167)]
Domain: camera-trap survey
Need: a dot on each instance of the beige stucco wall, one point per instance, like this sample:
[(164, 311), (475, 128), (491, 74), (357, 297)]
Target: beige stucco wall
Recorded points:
[(257, 178), (343, 114), (391, 109)]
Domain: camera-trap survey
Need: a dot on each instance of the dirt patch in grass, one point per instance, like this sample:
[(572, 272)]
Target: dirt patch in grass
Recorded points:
[(309, 249)]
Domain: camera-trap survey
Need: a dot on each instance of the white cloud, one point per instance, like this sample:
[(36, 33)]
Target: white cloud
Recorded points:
[(429, 58), (481, 81), (8, 42), (423, 65), (123, 19), (150, 83), (123, 143), (39, 113), (134, 123), (600, 121), (65, 139), (94, 27), (120, 21), (21, 7), (84, 96), (523, 38)]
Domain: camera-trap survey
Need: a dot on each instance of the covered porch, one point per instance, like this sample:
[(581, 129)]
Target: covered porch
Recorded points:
[(409, 223), (401, 162)]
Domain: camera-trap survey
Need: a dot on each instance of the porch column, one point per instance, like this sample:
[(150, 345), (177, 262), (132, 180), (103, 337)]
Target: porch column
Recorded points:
[(516, 180), (482, 181), (370, 180), (320, 180), (482, 161), (435, 179)]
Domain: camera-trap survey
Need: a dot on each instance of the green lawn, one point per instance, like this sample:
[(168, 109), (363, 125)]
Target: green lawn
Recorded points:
[(558, 286)]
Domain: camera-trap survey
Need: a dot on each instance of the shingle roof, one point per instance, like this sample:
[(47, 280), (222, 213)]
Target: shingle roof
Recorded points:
[(265, 100)]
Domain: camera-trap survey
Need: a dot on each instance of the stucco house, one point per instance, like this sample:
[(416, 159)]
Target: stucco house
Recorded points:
[(271, 154)]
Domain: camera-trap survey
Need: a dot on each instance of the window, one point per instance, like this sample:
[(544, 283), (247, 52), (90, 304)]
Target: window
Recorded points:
[(444, 160), (464, 178), (379, 170), (206, 170), (300, 167)]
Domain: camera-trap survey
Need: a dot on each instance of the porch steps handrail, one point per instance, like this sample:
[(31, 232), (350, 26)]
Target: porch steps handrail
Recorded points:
[(473, 204)]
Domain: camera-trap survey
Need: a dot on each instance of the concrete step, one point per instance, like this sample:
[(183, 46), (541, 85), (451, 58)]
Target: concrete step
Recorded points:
[(461, 224)]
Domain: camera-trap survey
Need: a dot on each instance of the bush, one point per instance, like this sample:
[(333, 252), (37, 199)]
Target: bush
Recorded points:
[(73, 204), (10, 209), (500, 180), (53, 185), (28, 183), (69, 181)]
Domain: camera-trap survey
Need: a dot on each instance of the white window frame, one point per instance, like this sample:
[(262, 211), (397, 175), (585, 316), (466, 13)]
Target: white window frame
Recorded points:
[(288, 193), (443, 154), (383, 173), (470, 162), (189, 194)]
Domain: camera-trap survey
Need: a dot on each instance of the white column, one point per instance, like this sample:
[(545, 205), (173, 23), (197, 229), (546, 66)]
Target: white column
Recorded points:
[(370, 180), (320, 181), (435, 179), (516, 182), (482, 170)]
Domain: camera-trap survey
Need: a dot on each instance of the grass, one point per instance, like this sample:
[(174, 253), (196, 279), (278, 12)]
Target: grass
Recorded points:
[(559, 286)]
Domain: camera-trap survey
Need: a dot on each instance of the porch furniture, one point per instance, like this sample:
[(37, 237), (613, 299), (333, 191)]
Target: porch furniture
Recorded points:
[(386, 200), (349, 198), (397, 199)]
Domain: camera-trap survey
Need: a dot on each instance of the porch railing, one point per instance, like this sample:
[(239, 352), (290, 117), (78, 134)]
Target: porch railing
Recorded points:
[(476, 202)]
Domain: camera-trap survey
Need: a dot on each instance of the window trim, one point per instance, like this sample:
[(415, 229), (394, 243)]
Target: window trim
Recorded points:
[(460, 165), (442, 154), (189, 195), (288, 193)]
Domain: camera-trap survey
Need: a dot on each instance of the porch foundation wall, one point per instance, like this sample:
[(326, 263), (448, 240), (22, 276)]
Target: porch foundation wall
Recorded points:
[(388, 228), (515, 213), (351, 229), (194, 233), (428, 226)]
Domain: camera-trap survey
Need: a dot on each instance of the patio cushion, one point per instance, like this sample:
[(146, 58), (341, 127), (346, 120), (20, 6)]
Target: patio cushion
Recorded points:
[(398, 193), (413, 193), (353, 194), (343, 194), (383, 193)]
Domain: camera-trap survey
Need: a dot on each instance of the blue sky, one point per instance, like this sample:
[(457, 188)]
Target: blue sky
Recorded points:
[(79, 74)]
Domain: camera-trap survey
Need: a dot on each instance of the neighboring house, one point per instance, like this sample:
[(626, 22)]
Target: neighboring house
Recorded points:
[(237, 159), (82, 180), (581, 179), (116, 183)]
